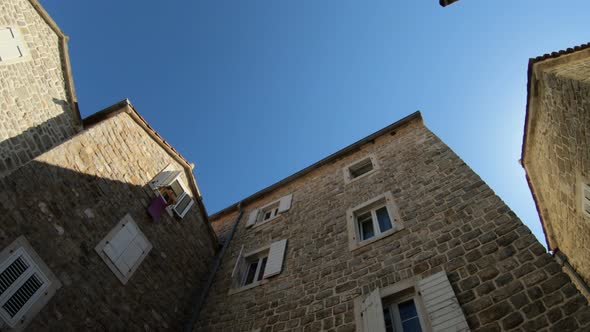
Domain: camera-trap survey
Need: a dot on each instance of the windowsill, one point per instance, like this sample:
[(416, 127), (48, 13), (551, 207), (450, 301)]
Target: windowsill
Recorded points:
[(349, 180), (357, 245), (245, 288), (267, 221)]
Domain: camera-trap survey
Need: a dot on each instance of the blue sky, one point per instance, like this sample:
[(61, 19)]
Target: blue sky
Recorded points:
[(253, 91)]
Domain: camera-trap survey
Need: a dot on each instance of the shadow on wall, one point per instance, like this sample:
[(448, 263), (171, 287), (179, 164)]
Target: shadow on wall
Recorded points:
[(19, 149), (64, 214)]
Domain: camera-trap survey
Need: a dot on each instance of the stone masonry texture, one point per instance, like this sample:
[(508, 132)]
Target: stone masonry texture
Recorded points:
[(503, 277), (558, 158), (67, 199), (35, 113)]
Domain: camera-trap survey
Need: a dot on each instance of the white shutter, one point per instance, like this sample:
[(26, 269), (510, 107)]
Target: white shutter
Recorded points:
[(126, 247), (237, 262), (441, 304), (183, 205), (252, 218), (164, 178), (276, 255), (372, 313), (285, 203), (10, 45), (586, 198)]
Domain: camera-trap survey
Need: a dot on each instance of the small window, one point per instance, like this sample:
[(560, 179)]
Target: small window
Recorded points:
[(411, 305), (26, 284), (252, 269), (169, 186), (586, 198), (124, 248), (12, 47), (269, 211), (360, 169), (373, 220)]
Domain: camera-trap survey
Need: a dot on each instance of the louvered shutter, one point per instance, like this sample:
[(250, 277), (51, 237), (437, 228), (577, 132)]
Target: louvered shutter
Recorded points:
[(10, 45), (276, 256), (441, 304), (252, 218), (285, 203), (372, 313), (183, 205), (164, 178)]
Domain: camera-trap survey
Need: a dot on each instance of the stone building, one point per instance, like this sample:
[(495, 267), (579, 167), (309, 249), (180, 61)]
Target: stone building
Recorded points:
[(556, 157), (103, 227), (102, 222), (392, 232), (38, 108)]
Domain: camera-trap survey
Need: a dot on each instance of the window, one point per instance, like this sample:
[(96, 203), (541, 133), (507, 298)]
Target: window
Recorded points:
[(269, 211), (372, 220), (26, 284), (169, 185), (254, 268), (12, 47), (124, 248), (360, 169), (585, 198), (412, 305)]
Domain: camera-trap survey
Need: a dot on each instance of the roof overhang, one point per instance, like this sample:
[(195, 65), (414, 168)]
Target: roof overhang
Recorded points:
[(416, 116)]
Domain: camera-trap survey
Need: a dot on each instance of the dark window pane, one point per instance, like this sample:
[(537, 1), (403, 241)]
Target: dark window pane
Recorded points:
[(251, 273), (407, 310), (412, 325), (262, 267), (267, 215), (360, 169), (383, 219), (367, 231)]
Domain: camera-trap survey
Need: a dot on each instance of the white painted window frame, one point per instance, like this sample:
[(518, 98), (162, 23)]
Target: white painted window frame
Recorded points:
[(354, 236), (20, 43), (124, 278), (155, 184), (259, 254), (394, 309), (281, 205), (21, 247), (348, 177)]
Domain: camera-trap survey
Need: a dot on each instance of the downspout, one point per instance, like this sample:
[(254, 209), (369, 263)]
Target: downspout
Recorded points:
[(200, 298)]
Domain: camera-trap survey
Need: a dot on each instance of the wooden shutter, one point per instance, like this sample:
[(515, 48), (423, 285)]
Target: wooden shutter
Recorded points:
[(285, 203), (586, 198), (183, 205), (441, 305), (10, 45), (237, 274), (372, 313), (252, 218), (164, 178), (276, 255), (125, 248)]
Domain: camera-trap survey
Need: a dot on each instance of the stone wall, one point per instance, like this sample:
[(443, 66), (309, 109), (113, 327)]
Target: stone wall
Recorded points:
[(558, 158), (503, 278), (66, 200), (35, 111)]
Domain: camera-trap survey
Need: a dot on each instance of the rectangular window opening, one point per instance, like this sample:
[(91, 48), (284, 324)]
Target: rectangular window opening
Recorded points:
[(373, 222), (361, 168)]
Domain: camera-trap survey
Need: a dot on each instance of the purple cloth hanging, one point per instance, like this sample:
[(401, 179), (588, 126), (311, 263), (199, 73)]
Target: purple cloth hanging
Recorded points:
[(157, 208)]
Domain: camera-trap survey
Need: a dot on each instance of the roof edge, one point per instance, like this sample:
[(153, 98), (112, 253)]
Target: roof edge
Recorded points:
[(65, 59), (125, 106), (336, 155)]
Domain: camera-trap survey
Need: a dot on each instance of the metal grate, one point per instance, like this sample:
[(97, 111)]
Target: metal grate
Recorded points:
[(12, 273), (18, 300)]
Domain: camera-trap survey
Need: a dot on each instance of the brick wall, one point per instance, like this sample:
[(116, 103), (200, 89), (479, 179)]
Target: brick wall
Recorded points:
[(35, 113), (503, 278), (558, 158), (66, 200)]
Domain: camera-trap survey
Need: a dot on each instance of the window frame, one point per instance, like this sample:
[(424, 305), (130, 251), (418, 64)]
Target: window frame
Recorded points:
[(384, 200), (257, 253), (393, 304), (270, 207), (20, 247), (175, 176), (280, 206), (347, 170), (20, 43), (124, 278)]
